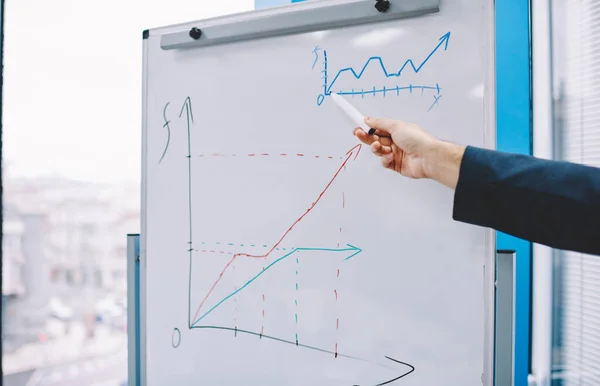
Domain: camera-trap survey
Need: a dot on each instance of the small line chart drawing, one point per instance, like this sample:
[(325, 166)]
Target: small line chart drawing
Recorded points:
[(332, 78)]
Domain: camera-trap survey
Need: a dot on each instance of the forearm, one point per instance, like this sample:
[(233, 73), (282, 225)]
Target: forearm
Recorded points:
[(442, 162), (548, 202)]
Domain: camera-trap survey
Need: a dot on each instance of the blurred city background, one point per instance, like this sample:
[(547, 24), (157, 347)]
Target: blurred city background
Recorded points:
[(71, 172), (64, 290)]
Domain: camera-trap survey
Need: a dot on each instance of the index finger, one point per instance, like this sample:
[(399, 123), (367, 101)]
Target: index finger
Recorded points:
[(363, 136)]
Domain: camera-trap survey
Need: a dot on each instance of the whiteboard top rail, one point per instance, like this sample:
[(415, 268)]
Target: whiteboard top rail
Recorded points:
[(290, 19)]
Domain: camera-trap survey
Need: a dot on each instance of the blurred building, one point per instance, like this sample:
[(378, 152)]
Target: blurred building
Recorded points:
[(70, 255), (25, 287)]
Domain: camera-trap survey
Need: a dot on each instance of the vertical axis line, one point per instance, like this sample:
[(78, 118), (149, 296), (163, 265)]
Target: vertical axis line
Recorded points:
[(187, 106)]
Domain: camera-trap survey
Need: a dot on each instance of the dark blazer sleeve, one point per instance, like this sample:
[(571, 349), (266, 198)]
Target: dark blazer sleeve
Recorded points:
[(553, 203)]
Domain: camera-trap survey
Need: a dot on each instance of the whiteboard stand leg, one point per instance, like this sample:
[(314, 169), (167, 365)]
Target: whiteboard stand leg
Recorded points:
[(505, 315), (133, 309)]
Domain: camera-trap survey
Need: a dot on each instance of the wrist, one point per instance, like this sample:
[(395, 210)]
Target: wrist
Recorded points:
[(441, 162)]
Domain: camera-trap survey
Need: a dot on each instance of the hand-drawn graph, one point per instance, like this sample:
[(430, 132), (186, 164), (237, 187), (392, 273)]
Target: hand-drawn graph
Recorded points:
[(274, 256), (331, 78), (352, 249)]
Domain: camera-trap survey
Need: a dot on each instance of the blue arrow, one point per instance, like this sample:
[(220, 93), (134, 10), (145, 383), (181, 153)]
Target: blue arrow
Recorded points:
[(443, 42), (350, 248)]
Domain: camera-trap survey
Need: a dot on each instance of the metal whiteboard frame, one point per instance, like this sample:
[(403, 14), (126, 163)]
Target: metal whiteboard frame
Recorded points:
[(543, 147), (133, 309), (178, 36), (513, 134), (505, 318)]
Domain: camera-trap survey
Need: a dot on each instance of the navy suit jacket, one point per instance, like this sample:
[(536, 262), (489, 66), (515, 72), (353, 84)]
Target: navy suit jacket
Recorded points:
[(554, 203)]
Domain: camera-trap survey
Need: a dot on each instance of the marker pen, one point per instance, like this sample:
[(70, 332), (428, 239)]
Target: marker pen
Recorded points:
[(352, 112)]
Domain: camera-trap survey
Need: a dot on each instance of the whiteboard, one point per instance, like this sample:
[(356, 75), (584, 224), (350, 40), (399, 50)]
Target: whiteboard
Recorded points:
[(275, 249)]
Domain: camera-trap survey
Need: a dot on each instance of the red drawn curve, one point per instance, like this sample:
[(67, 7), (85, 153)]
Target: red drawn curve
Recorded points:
[(266, 255)]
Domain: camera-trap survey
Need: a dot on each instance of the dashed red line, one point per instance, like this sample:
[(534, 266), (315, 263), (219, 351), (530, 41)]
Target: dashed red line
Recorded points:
[(269, 154), (262, 327), (236, 307), (349, 153), (337, 320), (213, 251)]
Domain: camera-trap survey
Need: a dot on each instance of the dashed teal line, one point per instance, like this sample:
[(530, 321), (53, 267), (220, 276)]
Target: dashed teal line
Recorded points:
[(350, 248)]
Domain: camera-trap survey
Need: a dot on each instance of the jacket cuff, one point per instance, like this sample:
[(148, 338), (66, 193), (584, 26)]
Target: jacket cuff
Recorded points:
[(473, 189)]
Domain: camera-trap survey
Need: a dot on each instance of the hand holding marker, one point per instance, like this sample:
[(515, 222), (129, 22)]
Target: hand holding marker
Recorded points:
[(352, 113), (403, 147)]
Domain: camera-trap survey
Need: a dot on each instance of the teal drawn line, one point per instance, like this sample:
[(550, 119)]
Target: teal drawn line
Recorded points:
[(352, 248), (358, 250)]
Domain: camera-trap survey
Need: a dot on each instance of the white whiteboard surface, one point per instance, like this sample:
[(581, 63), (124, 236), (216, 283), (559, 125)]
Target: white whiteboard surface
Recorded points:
[(275, 249)]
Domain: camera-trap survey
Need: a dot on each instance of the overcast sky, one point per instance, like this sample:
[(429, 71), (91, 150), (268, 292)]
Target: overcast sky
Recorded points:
[(72, 82)]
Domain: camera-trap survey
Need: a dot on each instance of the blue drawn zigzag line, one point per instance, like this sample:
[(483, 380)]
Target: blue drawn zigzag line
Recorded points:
[(443, 42)]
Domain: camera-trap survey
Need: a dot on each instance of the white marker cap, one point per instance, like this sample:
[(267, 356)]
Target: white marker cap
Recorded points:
[(352, 113)]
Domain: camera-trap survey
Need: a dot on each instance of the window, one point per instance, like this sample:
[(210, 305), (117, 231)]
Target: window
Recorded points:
[(576, 65), (71, 152)]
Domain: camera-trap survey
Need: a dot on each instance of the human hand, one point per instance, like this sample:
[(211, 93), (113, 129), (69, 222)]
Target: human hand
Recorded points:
[(402, 146), (409, 150)]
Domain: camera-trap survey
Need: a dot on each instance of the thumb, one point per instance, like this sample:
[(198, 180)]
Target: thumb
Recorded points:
[(381, 124)]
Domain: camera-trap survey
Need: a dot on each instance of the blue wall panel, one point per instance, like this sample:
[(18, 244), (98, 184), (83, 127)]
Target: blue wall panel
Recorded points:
[(272, 3), (513, 122)]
